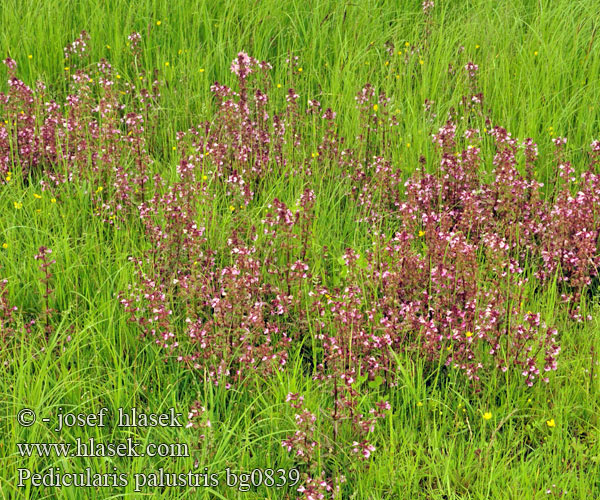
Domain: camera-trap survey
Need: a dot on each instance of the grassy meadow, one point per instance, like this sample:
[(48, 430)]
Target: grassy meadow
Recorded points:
[(317, 230)]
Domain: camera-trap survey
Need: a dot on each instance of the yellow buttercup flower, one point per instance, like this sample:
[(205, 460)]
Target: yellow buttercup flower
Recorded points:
[(17, 204), (469, 334), (29, 56), (231, 207), (421, 234), (375, 107), (551, 423), (37, 196), (5, 245), (53, 200), (419, 403), (158, 23), (487, 415)]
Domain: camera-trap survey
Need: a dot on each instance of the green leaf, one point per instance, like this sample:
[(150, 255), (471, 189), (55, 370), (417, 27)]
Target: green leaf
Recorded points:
[(373, 384)]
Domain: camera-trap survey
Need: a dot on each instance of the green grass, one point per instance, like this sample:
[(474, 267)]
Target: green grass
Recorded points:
[(539, 68)]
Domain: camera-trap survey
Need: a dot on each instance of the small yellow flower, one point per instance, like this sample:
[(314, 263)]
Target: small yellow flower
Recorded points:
[(421, 234), (158, 23), (174, 148), (387, 63), (419, 403), (407, 44), (408, 144), (469, 334), (299, 70), (487, 415), (91, 80), (5, 245), (421, 61), (52, 200), (99, 190), (108, 47), (551, 423), (37, 196), (204, 177), (179, 52), (18, 205), (476, 46), (375, 107), (67, 68), (167, 63), (201, 70), (231, 207), (279, 85), (535, 53), (118, 77), (399, 52), (29, 56)]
